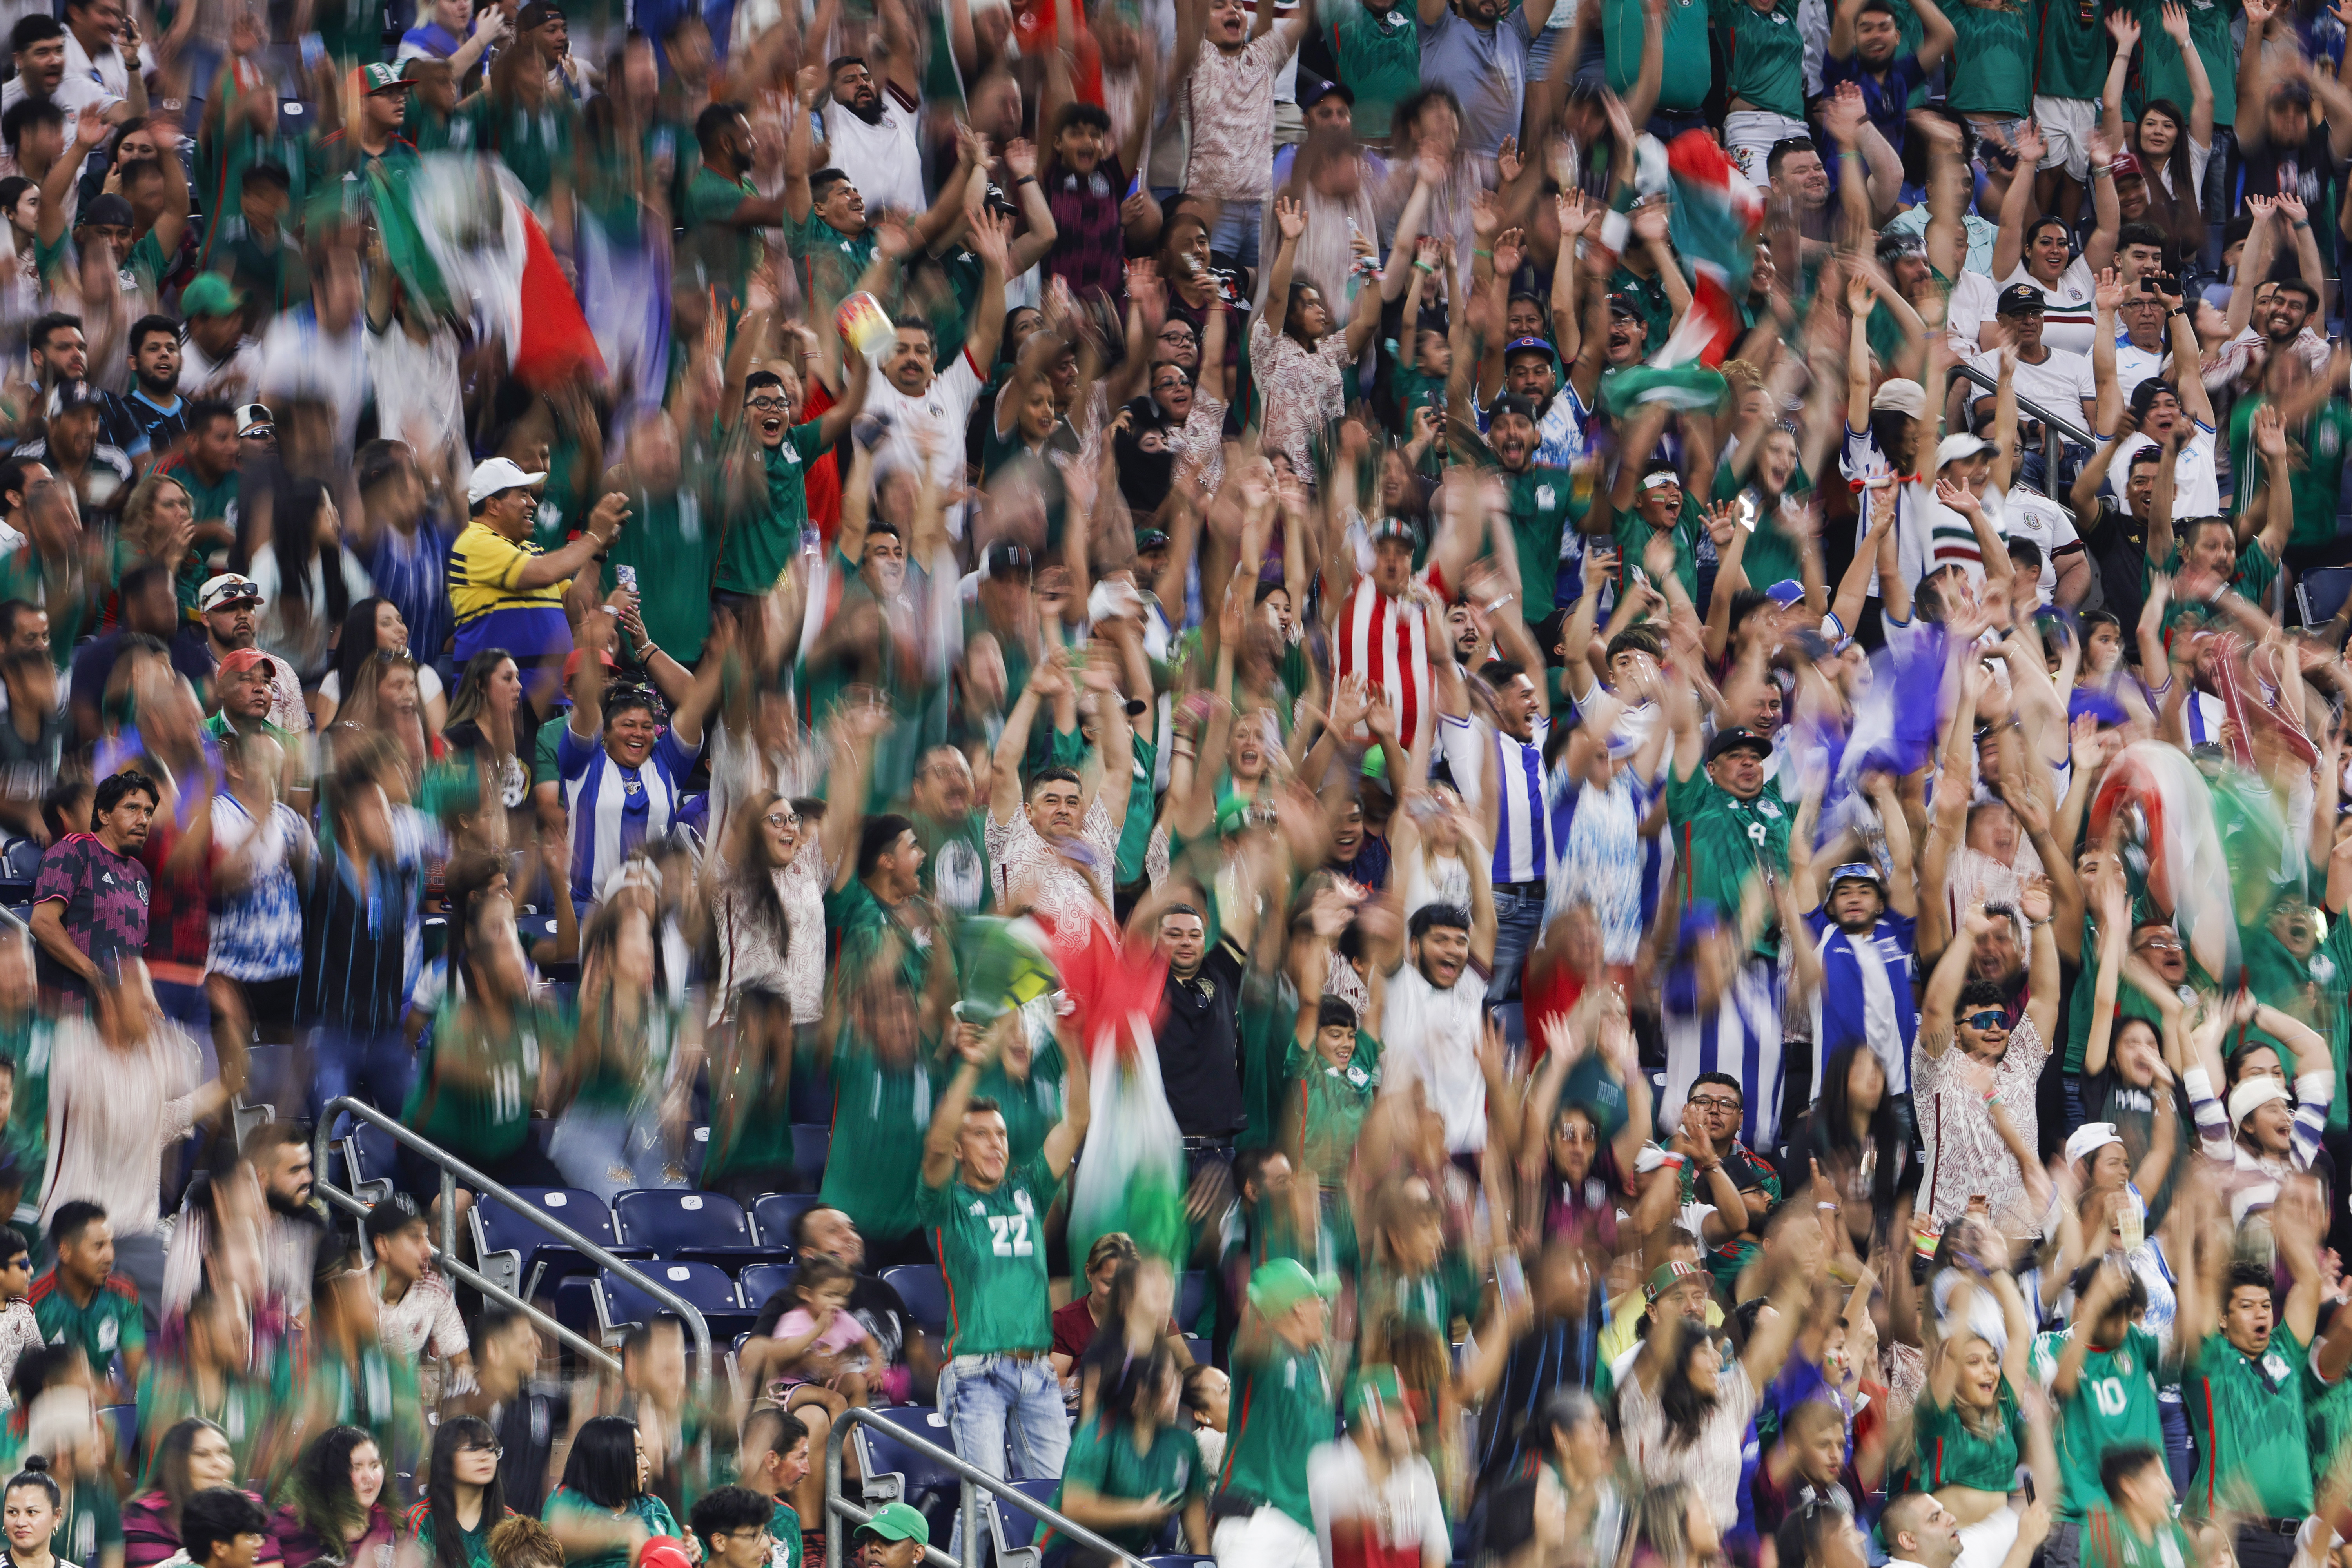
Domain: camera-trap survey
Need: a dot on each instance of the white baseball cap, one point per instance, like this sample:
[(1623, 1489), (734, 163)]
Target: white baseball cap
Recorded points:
[(498, 474)]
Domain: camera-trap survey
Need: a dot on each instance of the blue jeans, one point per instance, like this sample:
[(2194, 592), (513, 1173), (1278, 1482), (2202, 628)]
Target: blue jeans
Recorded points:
[(1233, 238), (605, 1150), (381, 1065), (989, 1399), (1518, 922)]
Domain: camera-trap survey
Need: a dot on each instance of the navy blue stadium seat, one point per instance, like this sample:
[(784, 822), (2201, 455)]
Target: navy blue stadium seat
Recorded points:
[(522, 1255), (774, 1215), (761, 1280), (707, 1227), (1015, 1530), (811, 1140), (703, 1286), (926, 1294), (1193, 1293), (895, 1472)]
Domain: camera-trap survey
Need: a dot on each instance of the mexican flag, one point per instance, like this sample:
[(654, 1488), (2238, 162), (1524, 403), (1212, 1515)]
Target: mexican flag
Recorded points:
[(465, 243), (1714, 220)]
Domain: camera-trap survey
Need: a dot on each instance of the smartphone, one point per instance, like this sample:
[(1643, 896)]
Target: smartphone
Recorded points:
[(2160, 283), (313, 51), (626, 575)]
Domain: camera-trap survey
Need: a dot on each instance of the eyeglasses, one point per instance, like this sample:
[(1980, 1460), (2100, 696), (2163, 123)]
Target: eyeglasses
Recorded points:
[(769, 404), (265, 434), (1715, 1102), (1991, 1018), (780, 819)]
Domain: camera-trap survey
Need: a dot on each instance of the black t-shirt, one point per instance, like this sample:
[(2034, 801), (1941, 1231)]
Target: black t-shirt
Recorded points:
[(2302, 169), (1554, 1353), (2118, 541), (128, 421), (1200, 1047)]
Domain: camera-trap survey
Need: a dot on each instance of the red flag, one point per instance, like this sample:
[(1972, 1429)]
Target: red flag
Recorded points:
[(554, 344)]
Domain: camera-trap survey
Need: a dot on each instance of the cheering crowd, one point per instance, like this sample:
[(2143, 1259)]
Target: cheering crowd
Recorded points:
[(1375, 784)]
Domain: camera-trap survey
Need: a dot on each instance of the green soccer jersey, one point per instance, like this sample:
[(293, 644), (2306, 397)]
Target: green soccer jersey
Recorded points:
[(2162, 73), (474, 1090), (2247, 1412), (2256, 570), (706, 212), (1768, 55), (1282, 1408), (1721, 839), (534, 140), (882, 1112), (1032, 1105), (1327, 1104), (1377, 47), (1768, 557), (2114, 1405), (1992, 63), (1105, 1460), (1633, 535), (1543, 507), (2315, 453), (760, 545), (1688, 70), (1649, 294), (784, 1532), (2073, 58), (673, 549), (111, 1322), (830, 262), (1949, 1454), (2110, 1542), (992, 1251)]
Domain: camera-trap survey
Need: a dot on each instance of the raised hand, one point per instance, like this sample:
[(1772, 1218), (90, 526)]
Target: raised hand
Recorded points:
[(1290, 214), (2109, 292), (1574, 213), (1650, 223), (1507, 163), (1485, 218), (2289, 208), (1860, 292), (1958, 497), (1844, 114), (2033, 900), (2270, 431), (2027, 145), (2258, 19), (2125, 28), (1510, 249), (2176, 24), (1021, 157)]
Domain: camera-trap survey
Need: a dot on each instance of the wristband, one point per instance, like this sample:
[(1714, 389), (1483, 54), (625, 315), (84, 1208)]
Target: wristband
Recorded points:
[(1024, 179), (1673, 1163), (2101, 171), (1488, 254), (1422, 266)]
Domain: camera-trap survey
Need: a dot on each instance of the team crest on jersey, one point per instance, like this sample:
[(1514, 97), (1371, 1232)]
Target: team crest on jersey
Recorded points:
[(2123, 1362), (1545, 495)]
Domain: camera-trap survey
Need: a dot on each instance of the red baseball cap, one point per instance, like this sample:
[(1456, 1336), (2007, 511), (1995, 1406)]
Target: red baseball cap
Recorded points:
[(571, 662)]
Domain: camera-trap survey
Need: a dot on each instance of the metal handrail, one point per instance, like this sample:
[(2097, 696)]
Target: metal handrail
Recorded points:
[(2062, 424), (975, 1480), (453, 1170)]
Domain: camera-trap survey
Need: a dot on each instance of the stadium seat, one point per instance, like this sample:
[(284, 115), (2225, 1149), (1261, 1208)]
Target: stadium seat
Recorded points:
[(702, 1286), (1193, 1292), (1204, 1350), (811, 1140), (774, 1215), (1176, 1560), (2321, 592), (761, 1280), (707, 1227), (1015, 1530), (522, 1255), (924, 1291), (124, 1418), (897, 1473)]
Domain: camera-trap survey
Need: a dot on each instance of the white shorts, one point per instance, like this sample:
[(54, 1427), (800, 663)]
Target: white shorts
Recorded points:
[(1271, 1539), (1748, 135), (1986, 1542), (2066, 125)]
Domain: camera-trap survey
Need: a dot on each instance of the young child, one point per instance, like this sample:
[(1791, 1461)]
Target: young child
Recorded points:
[(819, 1352), (1336, 1073)]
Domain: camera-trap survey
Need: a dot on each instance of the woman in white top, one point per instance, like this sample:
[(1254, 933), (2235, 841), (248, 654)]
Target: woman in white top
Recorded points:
[(375, 625)]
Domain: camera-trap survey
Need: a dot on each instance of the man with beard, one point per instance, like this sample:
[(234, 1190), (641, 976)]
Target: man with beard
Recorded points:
[(869, 128), (100, 474), (2158, 407), (2268, 316), (1435, 1021), (1541, 500), (721, 212), (950, 828), (280, 1155), (147, 421), (2318, 430), (38, 46), (227, 604), (926, 409)]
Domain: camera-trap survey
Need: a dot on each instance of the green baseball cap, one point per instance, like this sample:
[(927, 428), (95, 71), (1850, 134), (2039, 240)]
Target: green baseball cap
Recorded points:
[(1374, 1383), (381, 77), (210, 294), (895, 1521), (1284, 1283)]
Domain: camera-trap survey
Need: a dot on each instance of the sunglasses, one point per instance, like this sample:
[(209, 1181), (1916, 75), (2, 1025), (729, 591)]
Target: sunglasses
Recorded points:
[(1991, 1018)]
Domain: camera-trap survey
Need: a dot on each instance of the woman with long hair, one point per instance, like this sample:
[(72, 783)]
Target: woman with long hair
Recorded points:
[(335, 1511), (1141, 1305), (193, 1455), (2173, 148), (158, 524), (1579, 1510), (290, 544), (1968, 1423), (387, 699), (602, 1510), (620, 1103), (483, 722), (1855, 1137), (1141, 1436), (375, 625), (464, 1500), (768, 908)]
